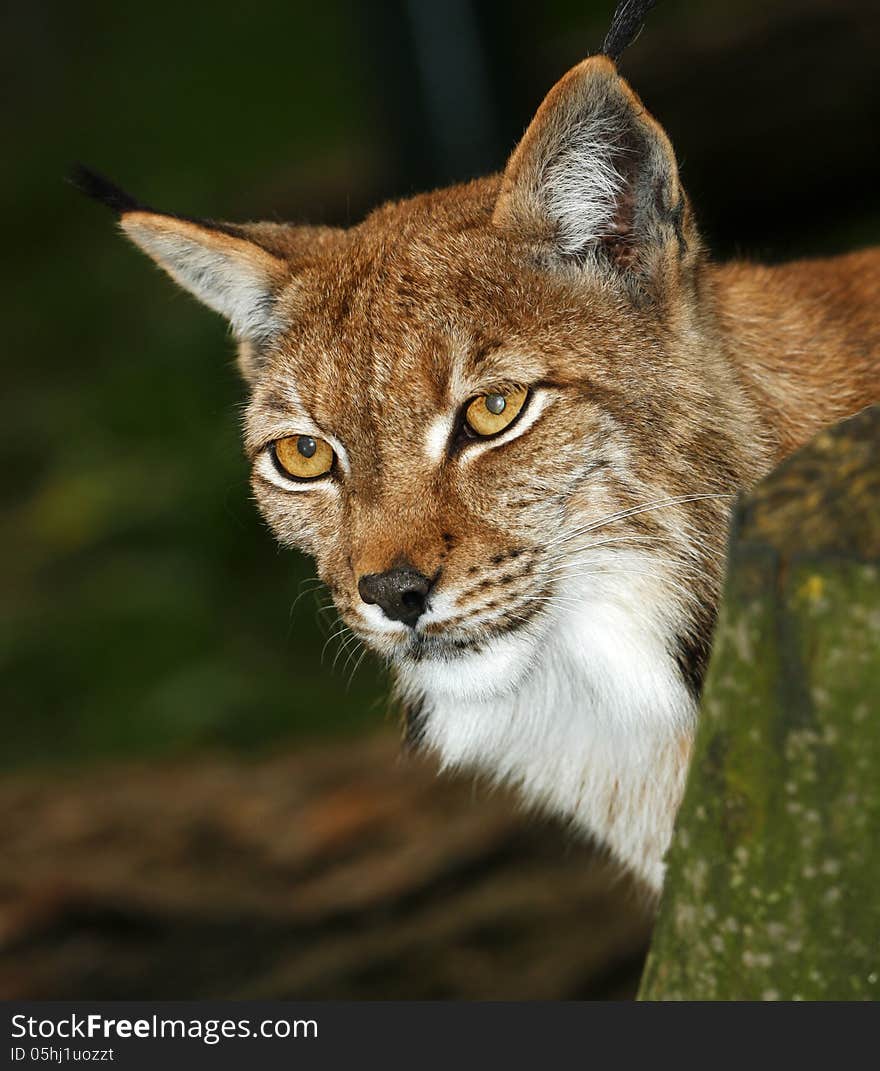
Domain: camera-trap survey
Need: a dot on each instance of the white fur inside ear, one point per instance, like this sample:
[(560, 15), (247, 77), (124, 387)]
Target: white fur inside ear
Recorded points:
[(581, 185), (228, 274)]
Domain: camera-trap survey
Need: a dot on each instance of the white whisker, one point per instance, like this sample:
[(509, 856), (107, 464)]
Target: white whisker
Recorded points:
[(342, 629), (633, 511)]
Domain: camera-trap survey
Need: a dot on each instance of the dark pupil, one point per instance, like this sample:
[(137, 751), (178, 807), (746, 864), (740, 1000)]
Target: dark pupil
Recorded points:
[(306, 445), (495, 403)]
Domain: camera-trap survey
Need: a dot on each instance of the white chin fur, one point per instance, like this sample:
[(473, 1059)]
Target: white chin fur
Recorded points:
[(493, 671)]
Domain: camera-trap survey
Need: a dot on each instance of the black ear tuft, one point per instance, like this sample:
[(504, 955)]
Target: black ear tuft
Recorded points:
[(626, 24), (102, 189)]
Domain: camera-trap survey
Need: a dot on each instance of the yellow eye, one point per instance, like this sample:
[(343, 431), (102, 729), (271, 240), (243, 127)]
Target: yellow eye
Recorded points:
[(491, 413), (303, 457)]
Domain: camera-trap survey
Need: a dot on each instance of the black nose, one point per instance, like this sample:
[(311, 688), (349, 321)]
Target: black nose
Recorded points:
[(402, 592)]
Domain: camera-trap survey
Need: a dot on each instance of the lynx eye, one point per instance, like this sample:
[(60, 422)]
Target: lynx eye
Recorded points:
[(490, 414), (303, 457)]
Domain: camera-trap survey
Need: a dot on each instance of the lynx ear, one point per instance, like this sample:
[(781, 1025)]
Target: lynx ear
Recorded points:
[(594, 178), (219, 263), (229, 273)]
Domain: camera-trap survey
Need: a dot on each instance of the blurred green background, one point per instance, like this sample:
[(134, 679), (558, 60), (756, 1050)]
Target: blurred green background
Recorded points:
[(146, 608)]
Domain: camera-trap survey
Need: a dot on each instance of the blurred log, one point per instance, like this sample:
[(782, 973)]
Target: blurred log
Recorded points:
[(775, 864), (335, 872)]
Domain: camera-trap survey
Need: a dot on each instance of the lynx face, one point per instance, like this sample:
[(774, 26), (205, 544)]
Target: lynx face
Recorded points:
[(502, 420), (456, 553)]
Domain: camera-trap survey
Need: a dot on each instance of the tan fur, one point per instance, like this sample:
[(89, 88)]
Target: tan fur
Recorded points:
[(805, 338), (668, 384)]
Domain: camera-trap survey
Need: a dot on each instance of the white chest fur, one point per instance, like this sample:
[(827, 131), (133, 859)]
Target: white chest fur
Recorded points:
[(596, 728)]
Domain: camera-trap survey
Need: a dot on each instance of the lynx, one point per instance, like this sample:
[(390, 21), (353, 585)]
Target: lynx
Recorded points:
[(509, 419)]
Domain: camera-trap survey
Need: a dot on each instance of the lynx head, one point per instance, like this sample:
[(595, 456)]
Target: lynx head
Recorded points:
[(490, 413)]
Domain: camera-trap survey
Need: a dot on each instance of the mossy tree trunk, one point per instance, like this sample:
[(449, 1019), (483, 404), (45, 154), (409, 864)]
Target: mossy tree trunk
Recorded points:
[(773, 889)]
